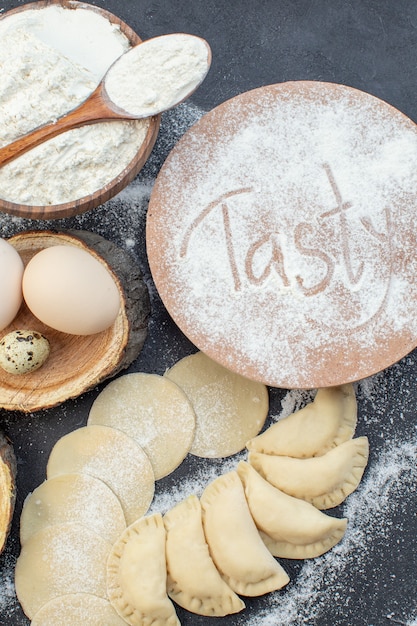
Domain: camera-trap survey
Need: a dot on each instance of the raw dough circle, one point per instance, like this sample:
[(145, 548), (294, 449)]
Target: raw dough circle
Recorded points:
[(113, 457), (281, 234), (76, 498), (152, 410), (60, 559), (77, 609), (229, 408)]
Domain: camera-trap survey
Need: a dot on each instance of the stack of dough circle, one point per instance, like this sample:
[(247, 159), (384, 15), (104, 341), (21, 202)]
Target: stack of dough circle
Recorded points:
[(152, 410), (80, 609), (60, 559), (230, 409)]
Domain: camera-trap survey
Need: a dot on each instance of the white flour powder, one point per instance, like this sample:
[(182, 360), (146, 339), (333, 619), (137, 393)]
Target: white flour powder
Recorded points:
[(41, 80), (157, 74)]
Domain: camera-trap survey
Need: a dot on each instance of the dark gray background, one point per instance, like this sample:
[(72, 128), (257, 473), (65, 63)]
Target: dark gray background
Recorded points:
[(367, 44)]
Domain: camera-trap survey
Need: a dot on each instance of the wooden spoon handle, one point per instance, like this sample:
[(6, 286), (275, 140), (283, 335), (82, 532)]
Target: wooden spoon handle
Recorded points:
[(93, 110)]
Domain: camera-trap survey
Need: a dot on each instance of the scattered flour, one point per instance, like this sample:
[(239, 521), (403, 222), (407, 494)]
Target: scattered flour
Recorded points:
[(293, 401), (8, 600)]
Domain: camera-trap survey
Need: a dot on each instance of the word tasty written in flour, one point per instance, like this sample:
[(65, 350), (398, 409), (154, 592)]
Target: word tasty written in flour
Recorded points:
[(267, 254)]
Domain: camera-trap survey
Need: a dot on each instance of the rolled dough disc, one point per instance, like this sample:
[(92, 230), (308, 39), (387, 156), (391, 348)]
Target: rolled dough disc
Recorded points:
[(281, 234), (77, 609), (76, 498), (60, 559), (152, 410), (229, 408), (113, 457)]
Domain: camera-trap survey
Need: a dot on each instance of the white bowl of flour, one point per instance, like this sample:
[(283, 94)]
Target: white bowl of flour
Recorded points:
[(52, 57)]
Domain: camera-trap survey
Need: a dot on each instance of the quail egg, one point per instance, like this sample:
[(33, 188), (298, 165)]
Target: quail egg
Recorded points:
[(23, 351)]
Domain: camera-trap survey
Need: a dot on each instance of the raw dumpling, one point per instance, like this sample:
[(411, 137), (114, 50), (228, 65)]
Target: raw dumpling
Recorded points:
[(77, 609), (58, 560), (193, 580), (76, 498), (325, 481), (137, 577), (291, 528), (234, 542), (313, 430)]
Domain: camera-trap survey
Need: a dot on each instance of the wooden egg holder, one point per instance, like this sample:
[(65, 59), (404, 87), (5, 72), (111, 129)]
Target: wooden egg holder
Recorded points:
[(78, 363)]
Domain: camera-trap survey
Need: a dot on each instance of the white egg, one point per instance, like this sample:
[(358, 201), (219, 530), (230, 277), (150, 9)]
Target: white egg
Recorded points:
[(70, 290), (11, 272)]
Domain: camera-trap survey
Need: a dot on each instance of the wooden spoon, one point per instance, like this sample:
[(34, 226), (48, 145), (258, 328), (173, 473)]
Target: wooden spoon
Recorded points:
[(100, 107)]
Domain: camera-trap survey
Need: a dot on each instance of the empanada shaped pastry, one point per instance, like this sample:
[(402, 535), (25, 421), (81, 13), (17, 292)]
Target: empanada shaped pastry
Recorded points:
[(291, 528), (325, 481), (193, 580), (235, 545), (313, 430), (136, 575)]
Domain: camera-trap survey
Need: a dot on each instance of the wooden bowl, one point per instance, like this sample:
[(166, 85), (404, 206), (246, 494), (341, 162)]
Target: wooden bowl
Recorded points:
[(126, 175), (77, 363)]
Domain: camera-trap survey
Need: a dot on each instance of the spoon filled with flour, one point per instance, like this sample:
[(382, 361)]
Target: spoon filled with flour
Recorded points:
[(150, 78)]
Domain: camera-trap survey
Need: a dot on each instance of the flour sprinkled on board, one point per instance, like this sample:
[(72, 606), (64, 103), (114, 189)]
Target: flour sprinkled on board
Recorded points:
[(279, 235)]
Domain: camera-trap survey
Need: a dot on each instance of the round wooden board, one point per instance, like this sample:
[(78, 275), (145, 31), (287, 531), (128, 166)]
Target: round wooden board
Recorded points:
[(77, 363), (281, 238)]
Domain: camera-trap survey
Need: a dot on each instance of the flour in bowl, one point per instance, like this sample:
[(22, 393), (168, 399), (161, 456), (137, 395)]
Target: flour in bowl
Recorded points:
[(41, 81)]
